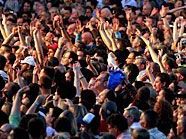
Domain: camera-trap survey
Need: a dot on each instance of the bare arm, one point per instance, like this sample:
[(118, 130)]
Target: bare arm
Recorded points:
[(38, 47), (15, 111), (36, 103), (2, 31)]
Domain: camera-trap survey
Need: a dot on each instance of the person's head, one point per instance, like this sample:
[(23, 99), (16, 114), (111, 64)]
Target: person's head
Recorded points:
[(179, 3), (140, 134), (4, 118), (10, 90), (132, 114), (87, 38), (18, 133), (62, 125), (66, 12), (47, 71), (164, 109), (147, 9), (117, 124), (27, 6), (161, 81), (52, 115), (166, 94), (66, 90), (180, 73), (148, 119), (53, 61), (45, 82), (130, 58), (88, 11), (53, 12), (2, 62), (68, 114), (105, 13), (88, 98), (143, 94), (108, 108), (140, 63), (132, 72), (27, 64), (71, 29), (101, 82), (102, 96), (37, 128), (11, 58), (69, 57)]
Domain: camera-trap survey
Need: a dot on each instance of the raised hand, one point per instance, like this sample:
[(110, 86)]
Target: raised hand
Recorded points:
[(164, 11), (76, 67)]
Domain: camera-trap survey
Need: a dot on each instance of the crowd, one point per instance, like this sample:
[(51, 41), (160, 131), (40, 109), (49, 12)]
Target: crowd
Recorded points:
[(88, 69)]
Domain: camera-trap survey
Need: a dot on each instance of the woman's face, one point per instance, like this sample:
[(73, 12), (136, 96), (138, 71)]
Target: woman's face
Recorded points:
[(178, 4)]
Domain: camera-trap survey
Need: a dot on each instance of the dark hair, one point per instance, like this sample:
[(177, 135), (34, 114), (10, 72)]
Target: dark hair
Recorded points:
[(2, 83), (11, 57), (53, 61), (140, 134), (62, 125), (133, 72), (20, 133), (66, 90), (168, 94), (151, 118), (49, 71), (143, 93), (118, 121), (88, 98), (74, 56), (164, 78), (34, 92), (2, 62), (4, 118), (37, 127), (25, 119), (138, 84), (46, 82)]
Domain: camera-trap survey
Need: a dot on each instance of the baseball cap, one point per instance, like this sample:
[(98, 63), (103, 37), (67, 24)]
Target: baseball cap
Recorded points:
[(28, 60)]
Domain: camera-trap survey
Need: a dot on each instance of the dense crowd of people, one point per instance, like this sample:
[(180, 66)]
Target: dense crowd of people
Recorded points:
[(88, 69)]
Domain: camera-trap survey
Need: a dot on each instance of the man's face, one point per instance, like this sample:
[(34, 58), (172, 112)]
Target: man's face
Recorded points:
[(143, 121), (112, 130), (100, 82), (157, 85), (129, 118), (65, 59)]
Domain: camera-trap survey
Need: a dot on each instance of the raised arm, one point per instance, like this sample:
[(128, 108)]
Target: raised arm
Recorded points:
[(6, 27), (154, 56), (38, 46), (76, 69), (39, 100), (15, 114), (2, 30), (59, 52)]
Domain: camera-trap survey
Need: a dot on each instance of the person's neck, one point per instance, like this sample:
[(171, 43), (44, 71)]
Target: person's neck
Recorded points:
[(46, 92)]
